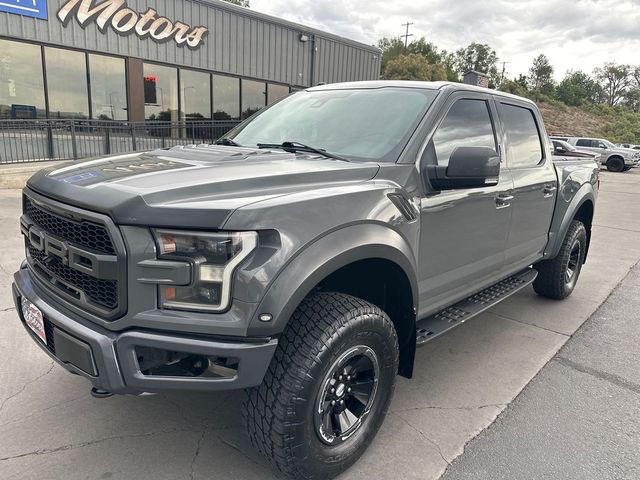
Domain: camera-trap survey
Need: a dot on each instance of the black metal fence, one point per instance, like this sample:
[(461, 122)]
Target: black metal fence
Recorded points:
[(24, 141)]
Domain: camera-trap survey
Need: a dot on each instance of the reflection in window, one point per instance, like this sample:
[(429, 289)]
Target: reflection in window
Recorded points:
[(226, 98), (160, 93), (67, 83), (467, 124), (525, 149), (195, 95), (253, 97), (108, 87), (276, 92), (21, 82)]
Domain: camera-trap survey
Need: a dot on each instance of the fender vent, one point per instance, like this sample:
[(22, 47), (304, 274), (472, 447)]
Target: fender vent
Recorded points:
[(407, 209)]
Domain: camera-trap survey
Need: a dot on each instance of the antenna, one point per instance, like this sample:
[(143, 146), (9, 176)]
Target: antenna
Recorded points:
[(407, 34)]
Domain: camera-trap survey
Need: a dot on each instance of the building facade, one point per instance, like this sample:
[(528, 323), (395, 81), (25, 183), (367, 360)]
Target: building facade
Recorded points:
[(175, 60)]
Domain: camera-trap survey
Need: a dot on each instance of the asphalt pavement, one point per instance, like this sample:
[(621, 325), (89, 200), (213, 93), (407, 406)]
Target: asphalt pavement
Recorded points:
[(580, 416), (51, 428)]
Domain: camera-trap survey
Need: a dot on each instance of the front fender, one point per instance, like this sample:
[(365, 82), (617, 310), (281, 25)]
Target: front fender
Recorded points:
[(322, 258)]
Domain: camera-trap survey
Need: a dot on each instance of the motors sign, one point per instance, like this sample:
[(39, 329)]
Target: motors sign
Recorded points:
[(125, 21)]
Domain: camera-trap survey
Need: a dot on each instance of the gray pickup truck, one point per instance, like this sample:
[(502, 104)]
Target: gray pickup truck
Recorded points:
[(303, 257)]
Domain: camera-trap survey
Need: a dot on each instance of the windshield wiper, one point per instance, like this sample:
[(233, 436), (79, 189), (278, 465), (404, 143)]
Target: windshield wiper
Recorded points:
[(294, 147), (227, 142)]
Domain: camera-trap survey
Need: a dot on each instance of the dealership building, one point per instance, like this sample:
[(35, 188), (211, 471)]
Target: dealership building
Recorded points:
[(144, 60)]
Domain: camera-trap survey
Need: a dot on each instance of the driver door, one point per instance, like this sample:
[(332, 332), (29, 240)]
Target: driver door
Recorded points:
[(463, 232)]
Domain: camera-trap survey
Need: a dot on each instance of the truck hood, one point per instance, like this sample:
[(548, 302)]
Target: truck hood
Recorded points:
[(195, 186)]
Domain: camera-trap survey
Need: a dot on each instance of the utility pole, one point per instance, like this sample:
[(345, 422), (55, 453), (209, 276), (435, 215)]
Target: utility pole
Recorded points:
[(406, 35), (504, 70)]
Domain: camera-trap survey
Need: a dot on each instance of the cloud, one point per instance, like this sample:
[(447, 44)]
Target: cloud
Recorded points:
[(577, 35)]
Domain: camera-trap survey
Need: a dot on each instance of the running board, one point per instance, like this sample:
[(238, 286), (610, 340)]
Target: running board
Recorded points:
[(432, 327)]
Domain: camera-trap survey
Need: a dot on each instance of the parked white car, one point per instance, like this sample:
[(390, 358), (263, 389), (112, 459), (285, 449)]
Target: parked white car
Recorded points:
[(616, 159)]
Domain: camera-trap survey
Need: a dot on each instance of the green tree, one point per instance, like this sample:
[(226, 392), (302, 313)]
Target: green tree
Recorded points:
[(577, 88), (241, 3), (391, 48), (614, 80), (414, 67), (541, 75), (479, 57)]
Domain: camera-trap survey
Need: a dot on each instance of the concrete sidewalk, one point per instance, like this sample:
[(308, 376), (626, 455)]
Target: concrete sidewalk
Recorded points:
[(580, 417), (51, 428)]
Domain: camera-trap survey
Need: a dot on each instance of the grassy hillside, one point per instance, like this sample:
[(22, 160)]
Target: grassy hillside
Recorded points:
[(615, 124)]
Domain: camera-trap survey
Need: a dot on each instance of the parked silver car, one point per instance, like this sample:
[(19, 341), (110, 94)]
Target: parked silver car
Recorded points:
[(616, 159)]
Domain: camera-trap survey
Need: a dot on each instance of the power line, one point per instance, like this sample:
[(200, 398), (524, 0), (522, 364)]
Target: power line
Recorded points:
[(407, 34)]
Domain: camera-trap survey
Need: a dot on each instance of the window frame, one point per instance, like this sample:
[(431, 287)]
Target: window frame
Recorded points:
[(444, 112), (502, 101)]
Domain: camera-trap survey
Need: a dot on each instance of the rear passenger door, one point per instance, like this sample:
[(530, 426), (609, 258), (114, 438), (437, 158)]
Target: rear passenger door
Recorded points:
[(534, 182)]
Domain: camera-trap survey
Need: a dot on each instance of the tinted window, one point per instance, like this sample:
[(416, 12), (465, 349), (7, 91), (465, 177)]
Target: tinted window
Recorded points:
[(468, 124), (226, 98), (161, 92), (583, 142), (21, 81), (524, 145), (254, 97), (108, 87), (67, 83), (195, 93)]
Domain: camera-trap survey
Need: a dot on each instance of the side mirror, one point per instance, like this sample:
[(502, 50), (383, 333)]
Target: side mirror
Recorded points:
[(561, 150), (602, 146), (469, 167)]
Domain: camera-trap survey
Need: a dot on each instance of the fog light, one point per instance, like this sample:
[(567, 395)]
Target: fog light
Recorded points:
[(266, 317)]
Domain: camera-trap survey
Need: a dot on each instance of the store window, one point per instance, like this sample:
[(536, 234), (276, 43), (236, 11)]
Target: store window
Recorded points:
[(67, 83), (276, 92), (21, 81), (254, 97), (108, 87), (226, 97), (160, 92), (195, 95)]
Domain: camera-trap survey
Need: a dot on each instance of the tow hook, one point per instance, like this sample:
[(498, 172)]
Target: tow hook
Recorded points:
[(99, 393)]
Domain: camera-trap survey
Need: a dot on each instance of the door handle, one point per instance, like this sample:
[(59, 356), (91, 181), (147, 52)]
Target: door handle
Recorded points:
[(549, 191), (503, 200)]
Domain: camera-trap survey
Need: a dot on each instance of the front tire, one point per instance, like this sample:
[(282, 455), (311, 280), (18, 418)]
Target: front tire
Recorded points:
[(557, 277), (327, 389)]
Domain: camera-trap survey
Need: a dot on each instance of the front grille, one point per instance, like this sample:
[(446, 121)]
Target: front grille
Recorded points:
[(102, 292), (83, 233), (76, 254)]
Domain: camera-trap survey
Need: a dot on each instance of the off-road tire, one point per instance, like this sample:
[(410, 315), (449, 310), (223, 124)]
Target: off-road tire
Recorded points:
[(552, 281), (615, 164), (279, 414)]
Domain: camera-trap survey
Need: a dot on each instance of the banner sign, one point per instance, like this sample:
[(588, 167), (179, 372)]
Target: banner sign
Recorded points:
[(28, 8)]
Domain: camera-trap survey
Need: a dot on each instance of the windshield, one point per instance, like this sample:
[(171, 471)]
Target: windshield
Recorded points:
[(567, 146), (360, 124)]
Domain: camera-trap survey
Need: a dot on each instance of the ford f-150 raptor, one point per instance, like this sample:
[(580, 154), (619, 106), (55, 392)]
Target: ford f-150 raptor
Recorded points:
[(304, 256)]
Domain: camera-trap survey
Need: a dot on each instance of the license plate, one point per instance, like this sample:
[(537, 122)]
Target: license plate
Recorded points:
[(33, 318)]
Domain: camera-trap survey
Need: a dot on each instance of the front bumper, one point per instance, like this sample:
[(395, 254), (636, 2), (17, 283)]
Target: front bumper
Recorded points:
[(109, 360)]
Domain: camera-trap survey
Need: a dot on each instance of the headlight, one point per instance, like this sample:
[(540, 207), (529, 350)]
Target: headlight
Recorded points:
[(214, 257)]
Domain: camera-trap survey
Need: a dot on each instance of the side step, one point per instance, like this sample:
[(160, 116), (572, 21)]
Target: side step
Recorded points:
[(443, 321)]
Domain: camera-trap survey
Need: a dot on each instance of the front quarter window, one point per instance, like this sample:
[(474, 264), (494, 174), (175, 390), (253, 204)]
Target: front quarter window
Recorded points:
[(360, 124)]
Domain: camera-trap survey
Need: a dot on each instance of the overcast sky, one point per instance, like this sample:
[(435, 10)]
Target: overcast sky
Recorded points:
[(575, 35)]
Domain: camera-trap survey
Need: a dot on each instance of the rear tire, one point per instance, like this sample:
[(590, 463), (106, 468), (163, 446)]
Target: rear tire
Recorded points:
[(615, 164), (557, 277), (327, 389)]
